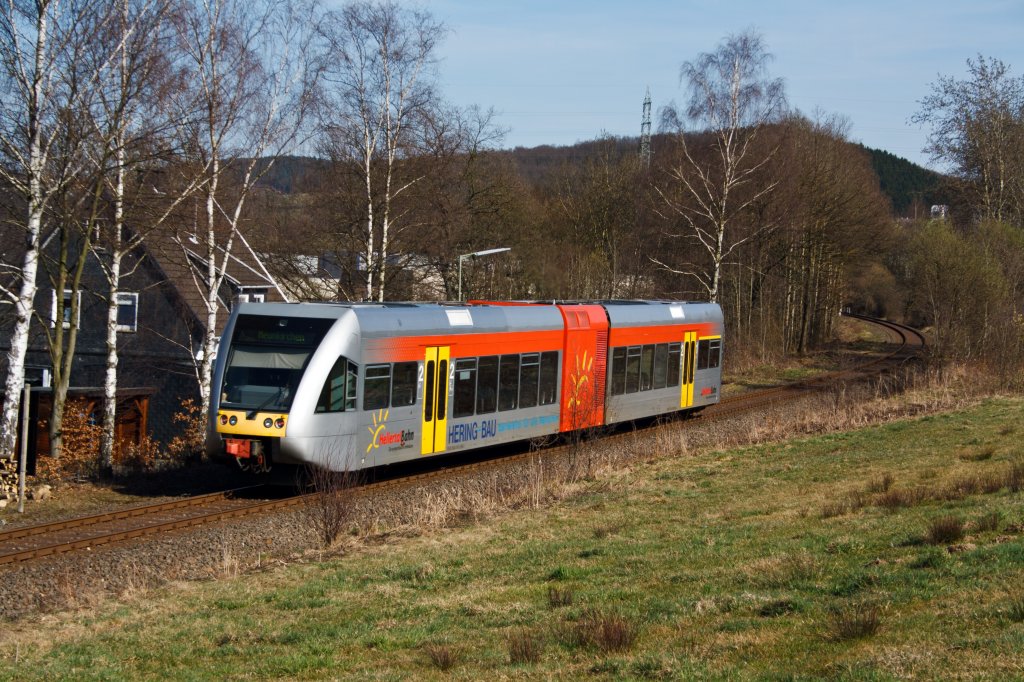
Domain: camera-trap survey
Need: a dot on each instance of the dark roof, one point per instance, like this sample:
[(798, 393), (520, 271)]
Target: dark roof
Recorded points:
[(180, 256)]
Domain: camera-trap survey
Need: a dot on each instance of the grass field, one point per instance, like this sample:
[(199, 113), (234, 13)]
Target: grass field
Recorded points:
[(886, 552)]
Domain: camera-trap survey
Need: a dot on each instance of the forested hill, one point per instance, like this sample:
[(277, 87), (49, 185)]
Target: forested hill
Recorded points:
[(900, 180), (903, 181)]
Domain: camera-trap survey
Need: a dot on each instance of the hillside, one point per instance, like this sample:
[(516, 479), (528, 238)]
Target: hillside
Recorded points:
[(903, 181)]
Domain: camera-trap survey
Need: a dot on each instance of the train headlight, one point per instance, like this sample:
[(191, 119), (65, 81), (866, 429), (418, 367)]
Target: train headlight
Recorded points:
[(268, 422), (233, 420), (279, 423), (223, 419)]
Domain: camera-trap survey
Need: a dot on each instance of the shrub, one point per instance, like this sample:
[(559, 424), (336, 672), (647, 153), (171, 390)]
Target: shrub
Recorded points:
[(81, 443), (191, 442), (139, 456), (332, 505), (855, 621), (524, 646), (944, 529)]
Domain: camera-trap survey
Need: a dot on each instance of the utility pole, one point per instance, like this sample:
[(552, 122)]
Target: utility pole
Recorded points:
[(645, 132)]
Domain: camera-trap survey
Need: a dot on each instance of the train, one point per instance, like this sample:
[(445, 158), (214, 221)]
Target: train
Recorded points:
[(351, 386)]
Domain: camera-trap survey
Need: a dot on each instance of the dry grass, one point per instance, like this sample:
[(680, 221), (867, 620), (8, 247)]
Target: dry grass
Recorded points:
[(444, 657), (880, 484), (524, 646), (992, 521), (559, 597), (607, 631), (854, 621), (944, 530), (979, 455)]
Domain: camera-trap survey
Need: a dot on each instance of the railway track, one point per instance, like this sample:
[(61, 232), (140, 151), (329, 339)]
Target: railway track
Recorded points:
[(50, 539)]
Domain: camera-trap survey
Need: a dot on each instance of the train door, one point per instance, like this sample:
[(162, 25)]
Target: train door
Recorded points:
[(435, 399), (689, 365)]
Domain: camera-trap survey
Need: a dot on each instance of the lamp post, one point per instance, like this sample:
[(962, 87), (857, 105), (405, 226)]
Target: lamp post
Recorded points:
[(474, 256)]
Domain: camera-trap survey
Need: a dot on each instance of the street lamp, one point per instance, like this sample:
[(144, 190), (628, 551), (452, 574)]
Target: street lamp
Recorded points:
[(474, 256)]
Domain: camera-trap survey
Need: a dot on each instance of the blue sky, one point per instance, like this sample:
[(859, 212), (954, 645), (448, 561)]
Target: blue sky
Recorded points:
[(561, 72)]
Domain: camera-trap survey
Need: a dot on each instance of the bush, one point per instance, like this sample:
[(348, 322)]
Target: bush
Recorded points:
[(81, 444), (331, 507), (191, 443)]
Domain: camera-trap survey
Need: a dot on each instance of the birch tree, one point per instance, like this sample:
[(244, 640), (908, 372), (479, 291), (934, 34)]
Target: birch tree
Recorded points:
[(38, 87), (131, 126), (732, 99), (377, 91), (252, 69)]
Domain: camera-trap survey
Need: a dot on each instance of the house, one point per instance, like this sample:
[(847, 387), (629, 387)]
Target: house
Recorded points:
[(161, 322)]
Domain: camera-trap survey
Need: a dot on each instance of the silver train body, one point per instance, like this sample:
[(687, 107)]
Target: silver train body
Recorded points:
[(351, 386)]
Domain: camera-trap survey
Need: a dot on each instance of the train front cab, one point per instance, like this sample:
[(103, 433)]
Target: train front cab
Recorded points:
[(278, 395)]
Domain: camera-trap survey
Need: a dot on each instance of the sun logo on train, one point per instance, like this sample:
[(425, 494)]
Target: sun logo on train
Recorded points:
[(380, 419), (580, 378)]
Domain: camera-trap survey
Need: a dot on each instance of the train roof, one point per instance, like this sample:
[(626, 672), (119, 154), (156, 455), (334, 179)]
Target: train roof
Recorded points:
[(389, 319)]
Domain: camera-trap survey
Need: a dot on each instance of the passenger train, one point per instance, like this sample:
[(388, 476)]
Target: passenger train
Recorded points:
[(349, 386)]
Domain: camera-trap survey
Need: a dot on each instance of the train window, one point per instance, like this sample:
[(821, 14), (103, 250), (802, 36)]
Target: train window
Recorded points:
[(529, 379), (487, 384), (428, 391), (714, 353), (351, 385), (508, 382), (709, 354), (442, 388), (632, 369), (548, 377), (376, 387), (660, 365), (618, 383), (646, 368), (403, 384), (464, 401), (334, 396), (674, 358)]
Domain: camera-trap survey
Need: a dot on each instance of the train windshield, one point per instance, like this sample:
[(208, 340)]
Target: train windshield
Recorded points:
[(267, 358)]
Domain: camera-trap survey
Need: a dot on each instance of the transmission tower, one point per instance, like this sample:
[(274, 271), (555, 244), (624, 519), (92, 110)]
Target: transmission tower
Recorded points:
[(645, 132)]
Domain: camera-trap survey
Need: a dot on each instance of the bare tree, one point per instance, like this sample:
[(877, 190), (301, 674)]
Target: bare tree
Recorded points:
[(978, 131), (378, 92), (731, 100), (41, 85), (252, 70)]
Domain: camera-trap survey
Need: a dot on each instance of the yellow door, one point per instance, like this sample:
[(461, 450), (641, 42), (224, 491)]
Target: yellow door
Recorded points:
[(435, 400), (689, 365)]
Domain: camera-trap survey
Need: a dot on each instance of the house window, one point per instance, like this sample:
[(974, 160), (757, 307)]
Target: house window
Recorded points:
[(127, 311), (67, 308)]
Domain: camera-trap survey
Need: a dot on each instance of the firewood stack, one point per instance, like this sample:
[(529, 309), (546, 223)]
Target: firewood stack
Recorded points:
[(8, 481)]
